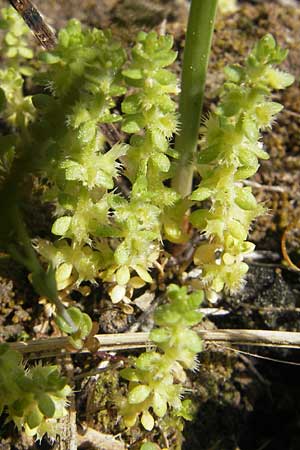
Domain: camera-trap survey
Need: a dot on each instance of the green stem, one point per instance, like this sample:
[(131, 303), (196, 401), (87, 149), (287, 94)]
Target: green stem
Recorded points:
[(43, 282), (195, 62)]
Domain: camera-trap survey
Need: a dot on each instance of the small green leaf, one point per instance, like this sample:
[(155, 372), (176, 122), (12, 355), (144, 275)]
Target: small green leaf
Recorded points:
[(237, 230), (138, 394), (131, 105), (161, 161), (159, 335), (209, 154), (198, 218), (46, 405), (2, 99), (86, 325), (201, 194), (147, 421), (143, 273), (129, 374), (131, 126), (195, 299), (147, 360), (134, 74), (121, 254), (49, 58), (10, 39), (245, 199), (193, 341), (159, 405), (149, 446), (233, 73), (87, 131), (26, 52), (35, 418), (123, 275), (61, 225)]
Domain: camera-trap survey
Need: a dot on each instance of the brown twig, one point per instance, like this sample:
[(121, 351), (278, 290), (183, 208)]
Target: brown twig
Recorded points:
[(284, 247), (33, 18), (43, 348)]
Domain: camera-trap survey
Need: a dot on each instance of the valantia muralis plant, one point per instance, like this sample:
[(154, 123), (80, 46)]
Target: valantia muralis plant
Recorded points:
[(115, 203)]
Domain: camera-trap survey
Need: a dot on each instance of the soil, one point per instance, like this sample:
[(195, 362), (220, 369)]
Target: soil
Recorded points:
[(243, 402)]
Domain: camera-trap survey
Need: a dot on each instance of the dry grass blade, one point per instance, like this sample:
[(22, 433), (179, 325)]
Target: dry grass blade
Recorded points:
[(41, 348), (33, 18)]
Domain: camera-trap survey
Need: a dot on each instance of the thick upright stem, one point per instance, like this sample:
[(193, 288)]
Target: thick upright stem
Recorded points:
[(195, 62)]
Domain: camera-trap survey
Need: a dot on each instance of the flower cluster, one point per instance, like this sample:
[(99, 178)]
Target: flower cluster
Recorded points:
[(231, 148), (84, 77), (34, 398), (17, 109), (157, 377), (149, 115)]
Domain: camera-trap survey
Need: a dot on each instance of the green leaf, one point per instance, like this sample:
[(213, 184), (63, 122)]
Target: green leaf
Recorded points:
[(49, 58), (10, 39), (86, 325), (159, 405), (187, 410), (46, 405), (134, 74), (123, 275), (2, 99), (193, 341), (245, 172), (163, 316), (76, 315), (26, 52), (161, 161), (279, 79), (25, 383), (149, 446), (147, 360), (122, 254), (209, 154), (61, 225), (131, 126), (131, 105), (195, 299), (147, 421), (237, 230), (159, 335), (143, 273), (87, 131), (42, 101), (201, 194), (138, 394), (198, 218), (63, 272), (35, 418), (233, 73), (129, 374), (245, 199)]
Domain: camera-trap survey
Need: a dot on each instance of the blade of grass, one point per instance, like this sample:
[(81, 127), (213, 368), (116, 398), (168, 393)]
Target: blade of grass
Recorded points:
[(195, 62)]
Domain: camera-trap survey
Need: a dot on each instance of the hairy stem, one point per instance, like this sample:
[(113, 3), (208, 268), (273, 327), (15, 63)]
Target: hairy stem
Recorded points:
[(195, 62)]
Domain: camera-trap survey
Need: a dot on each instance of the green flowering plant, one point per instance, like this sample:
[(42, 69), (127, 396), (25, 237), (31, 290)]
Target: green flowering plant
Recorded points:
[(103, 234), (157, 376), (231, 149), (33, 398), (15, 43), (91, 211), (114, 203), (17, 109)]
